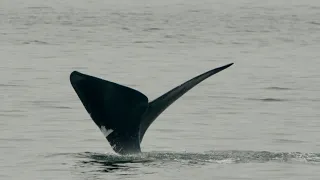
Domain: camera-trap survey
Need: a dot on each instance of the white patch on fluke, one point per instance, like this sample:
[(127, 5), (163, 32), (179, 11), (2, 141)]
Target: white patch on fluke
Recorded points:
[(106, 132)]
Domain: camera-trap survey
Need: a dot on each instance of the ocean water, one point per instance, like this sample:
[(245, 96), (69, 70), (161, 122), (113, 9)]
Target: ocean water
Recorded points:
[(258, 119)]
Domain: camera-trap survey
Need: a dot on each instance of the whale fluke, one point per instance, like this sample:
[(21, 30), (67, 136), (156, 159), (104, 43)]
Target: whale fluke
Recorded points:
[(124, 114)]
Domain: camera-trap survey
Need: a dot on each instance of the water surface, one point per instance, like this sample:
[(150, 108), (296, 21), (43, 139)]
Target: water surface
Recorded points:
[(256, 120)]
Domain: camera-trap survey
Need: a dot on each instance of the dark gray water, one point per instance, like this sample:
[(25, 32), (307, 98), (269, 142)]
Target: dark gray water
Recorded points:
[(259, 119)]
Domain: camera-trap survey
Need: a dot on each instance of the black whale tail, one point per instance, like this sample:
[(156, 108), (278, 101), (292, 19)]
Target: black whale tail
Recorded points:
[(123, 114)]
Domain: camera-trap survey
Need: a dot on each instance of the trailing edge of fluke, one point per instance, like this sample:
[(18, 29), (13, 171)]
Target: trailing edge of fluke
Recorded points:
[(123, 114)]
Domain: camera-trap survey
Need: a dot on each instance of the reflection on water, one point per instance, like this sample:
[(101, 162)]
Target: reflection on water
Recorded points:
[(107, 166), (110, 162)]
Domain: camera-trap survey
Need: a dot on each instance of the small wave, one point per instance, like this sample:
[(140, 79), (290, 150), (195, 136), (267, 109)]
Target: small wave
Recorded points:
[(313, 22), (273, 99), (194, 10), (152, 29), (146, 42), (268, 99), (288, 141), (11, 115), (48, 104), (140, 42), (40, 7), (315, 7), (125, 28), (238, 43), (278, 88), (36, 42), (59, 107), (9, 85), (16, 139)]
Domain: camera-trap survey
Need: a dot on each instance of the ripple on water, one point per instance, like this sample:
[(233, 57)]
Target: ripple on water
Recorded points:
[(232, 156), (268, 99), (278, 88)]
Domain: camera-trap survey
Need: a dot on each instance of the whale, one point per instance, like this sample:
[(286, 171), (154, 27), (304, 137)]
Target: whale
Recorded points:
[(124, 114)]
